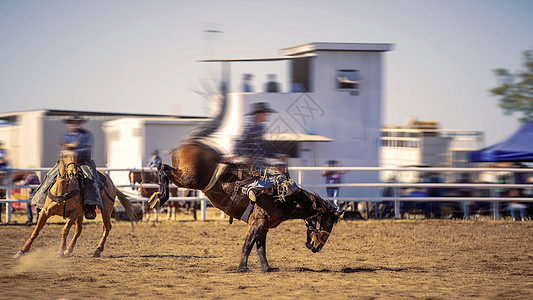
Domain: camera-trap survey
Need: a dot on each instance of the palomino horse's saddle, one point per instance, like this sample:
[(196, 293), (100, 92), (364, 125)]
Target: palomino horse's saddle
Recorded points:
[(102, 185)]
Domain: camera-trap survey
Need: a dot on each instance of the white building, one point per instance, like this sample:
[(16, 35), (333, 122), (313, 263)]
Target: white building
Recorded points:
[(332, 111), (336, 96), (423, 143), (131, 141), (32, 137)]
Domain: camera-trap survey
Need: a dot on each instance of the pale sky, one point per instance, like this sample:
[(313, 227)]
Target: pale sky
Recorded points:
[(141, 56)]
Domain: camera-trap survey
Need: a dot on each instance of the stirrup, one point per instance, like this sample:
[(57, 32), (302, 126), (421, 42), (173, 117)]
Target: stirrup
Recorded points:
[(90, 213)]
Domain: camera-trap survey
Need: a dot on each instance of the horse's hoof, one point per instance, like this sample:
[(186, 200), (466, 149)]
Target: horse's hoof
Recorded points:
[(60, 254), (19, 254), (66, 253), (243, 270), (97, 253)]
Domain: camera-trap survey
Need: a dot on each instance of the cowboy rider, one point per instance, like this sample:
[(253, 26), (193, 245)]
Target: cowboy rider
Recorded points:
[(252, 146), (79, 140)]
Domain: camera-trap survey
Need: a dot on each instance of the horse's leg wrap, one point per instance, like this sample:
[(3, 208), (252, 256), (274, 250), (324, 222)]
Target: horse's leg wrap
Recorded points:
[(27, 246), (101, 244), (163, 188), (62, 247), (71, 245)]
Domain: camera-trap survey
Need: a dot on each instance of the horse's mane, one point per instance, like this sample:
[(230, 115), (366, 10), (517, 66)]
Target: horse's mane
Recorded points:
[(317, 202)]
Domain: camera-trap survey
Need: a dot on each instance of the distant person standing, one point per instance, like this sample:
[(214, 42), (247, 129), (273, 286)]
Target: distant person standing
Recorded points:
[(31, 179), (3, 171), (3, 157), (155, 160), (516, 208), (272, 86), (247, 83), (332, 177)]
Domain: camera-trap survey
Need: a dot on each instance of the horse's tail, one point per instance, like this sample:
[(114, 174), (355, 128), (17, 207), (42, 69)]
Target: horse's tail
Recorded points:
[(126, 203), (207, 129)]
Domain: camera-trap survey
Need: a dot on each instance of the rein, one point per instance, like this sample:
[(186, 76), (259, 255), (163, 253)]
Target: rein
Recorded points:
[(151, 182), (63, 197)]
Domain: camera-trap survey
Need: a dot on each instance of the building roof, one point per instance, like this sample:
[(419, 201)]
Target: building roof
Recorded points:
[(317, 46), (60, 113)]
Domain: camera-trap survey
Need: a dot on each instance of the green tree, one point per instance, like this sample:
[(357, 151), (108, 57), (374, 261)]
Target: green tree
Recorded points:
[(516, 89)]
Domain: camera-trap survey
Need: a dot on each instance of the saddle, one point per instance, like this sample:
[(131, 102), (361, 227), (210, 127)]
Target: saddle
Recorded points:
[(246, 173)]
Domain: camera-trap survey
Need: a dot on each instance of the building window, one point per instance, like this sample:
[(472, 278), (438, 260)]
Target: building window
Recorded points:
[(348, 80)]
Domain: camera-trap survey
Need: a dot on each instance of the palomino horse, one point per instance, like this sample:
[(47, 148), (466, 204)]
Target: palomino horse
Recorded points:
[(64, 199), (151, 177)]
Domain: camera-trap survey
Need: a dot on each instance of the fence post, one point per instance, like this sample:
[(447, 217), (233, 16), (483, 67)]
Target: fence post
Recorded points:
[(396, 204), (495, 205), (203, 207), (8, 205)]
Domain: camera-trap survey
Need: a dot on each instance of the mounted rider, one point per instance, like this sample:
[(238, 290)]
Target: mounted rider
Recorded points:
[(79, 140), (252, 148)]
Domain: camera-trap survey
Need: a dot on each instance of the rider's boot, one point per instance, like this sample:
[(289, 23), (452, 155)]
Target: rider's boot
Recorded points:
[(254, 192), (251, 192)]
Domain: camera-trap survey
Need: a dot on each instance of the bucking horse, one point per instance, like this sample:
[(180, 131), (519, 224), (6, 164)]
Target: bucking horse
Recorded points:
[(197, 165)]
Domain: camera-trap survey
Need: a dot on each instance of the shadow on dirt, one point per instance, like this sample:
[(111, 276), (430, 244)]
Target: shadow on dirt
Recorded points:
[(161, 256), (361, 270)]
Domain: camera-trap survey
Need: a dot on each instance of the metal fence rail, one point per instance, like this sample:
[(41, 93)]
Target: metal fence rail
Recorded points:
[(396, 198)]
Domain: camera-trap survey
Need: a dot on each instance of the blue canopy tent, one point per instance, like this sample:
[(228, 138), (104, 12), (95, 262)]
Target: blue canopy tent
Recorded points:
[(518, 147)]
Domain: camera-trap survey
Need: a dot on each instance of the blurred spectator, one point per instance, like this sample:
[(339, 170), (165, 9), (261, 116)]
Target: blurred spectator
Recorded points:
[(386, 206), (155, 160), (431, 208), (465, 193), (31, 179), (247, 83), (519, 177), (516, 207), (3, 157), (272, 86), (501, 192), (297, 87), (4, 173), (417, 192), (332, 177)]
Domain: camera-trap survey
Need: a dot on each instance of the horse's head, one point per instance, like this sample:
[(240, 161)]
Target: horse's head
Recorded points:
[(320, 224), (68, 160)]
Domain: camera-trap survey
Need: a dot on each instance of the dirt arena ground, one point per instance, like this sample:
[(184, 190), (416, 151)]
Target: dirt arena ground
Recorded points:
[(428, 259)]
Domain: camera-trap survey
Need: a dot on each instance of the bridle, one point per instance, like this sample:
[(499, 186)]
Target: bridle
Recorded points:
[(67, 195), (314, 224)]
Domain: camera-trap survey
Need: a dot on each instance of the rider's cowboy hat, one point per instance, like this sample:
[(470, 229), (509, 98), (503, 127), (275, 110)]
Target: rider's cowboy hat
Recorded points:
[(260, 107), (75, 118)]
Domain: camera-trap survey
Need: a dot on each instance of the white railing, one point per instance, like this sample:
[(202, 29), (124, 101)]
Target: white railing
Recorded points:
[(493, 198), (8, 200), (396, 197)]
